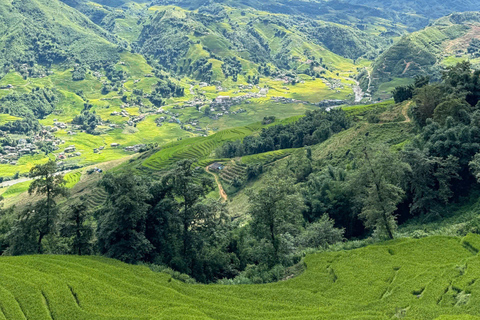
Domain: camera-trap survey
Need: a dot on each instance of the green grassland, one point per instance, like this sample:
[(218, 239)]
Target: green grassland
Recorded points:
[(430, 278)]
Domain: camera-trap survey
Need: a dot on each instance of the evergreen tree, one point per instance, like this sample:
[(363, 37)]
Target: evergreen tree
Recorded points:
[(122, 220), (50, 185), (76, 227)]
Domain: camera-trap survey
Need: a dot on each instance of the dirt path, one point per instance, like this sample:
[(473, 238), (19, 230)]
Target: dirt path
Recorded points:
[(222, 192), (405, 112), (359, 94)]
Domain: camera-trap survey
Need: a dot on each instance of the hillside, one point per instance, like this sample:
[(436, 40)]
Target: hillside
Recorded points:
[(430, 278), (444, 43), (432, 9), (49, 32)]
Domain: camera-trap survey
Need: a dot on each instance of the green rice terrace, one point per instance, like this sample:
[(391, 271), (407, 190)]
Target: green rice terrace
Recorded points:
[(429, 278)]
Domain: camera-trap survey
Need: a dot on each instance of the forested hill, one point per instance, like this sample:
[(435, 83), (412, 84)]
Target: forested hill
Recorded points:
[(432, 9), (414, 14), (49, 32), (445, 42), (179, 38)]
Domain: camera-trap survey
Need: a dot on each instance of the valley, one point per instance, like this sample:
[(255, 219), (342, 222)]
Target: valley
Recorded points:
[(239, 159)]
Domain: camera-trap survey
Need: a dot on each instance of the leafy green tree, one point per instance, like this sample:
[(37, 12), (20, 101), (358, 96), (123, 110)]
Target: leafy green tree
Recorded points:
[(430, 181), (50, 185), (332, 192), (426, 100), (379, 182), (321, 234), (403, 93), (276, 209), (122, 220), (475, 166), (456, 108), (75, 226), (190, 189)]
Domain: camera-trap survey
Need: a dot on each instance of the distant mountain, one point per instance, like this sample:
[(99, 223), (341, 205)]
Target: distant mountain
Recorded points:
[(49, 32), (186, 41), (446, 41), (432, 9)]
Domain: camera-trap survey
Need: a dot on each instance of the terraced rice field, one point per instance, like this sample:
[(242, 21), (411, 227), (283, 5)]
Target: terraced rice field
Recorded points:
[(72, 179), (267, 157), (96, 198), (233, 170), (430, 278), (198, 148)]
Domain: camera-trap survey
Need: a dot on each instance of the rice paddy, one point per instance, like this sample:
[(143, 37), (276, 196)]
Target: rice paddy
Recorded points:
[(430, 278)]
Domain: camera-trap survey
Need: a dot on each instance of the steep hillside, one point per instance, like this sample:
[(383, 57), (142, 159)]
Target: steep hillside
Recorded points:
[(203, 41), (431, 278), (445, 42), (49, 32), (432, 9)]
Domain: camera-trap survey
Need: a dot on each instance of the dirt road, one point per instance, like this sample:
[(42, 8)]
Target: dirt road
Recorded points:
[(222, 192)]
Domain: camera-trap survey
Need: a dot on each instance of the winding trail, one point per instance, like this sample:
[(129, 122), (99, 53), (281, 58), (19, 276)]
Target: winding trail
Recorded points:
[(222, 192), (405, 112)]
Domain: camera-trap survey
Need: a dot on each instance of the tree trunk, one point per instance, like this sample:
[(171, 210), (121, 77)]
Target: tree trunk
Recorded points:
[(39, 244)]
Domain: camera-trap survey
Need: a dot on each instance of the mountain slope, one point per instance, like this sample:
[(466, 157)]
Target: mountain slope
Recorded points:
[(395, 279), (186, 41), (432, 9), (48, 32), (444, 42)]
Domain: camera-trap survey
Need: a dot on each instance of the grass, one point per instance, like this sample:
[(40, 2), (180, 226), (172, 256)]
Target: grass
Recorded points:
[(72, 178), (429, 278), (267, 157), (362, 110), (16, 189)]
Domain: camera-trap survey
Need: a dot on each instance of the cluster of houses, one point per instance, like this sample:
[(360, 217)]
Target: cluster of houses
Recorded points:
[(331, 103), (287, 100), (135, 148), (69, 152), (97, 150), (135, 120), (333, 84), (288, 79), (10, 154), (197, 103), (123, 113)]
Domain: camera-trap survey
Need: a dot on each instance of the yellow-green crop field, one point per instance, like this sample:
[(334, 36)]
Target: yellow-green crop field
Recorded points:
[(430, 278)]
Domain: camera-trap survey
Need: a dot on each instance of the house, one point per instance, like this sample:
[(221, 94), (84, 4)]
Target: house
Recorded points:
[(222, 99), (12, 156), (216, 166), (70, 149)]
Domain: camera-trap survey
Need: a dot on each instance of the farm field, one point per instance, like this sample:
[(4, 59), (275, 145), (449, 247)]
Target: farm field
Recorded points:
[(392, 280)]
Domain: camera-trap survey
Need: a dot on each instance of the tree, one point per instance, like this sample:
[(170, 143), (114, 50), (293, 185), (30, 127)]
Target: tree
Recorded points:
[(190, 191), (50, 185), (456, 108), (378, 181), (430, 180), (122, 220), (275, 209), (402, 93), (321, 234), (75, 227), (426, 100)]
